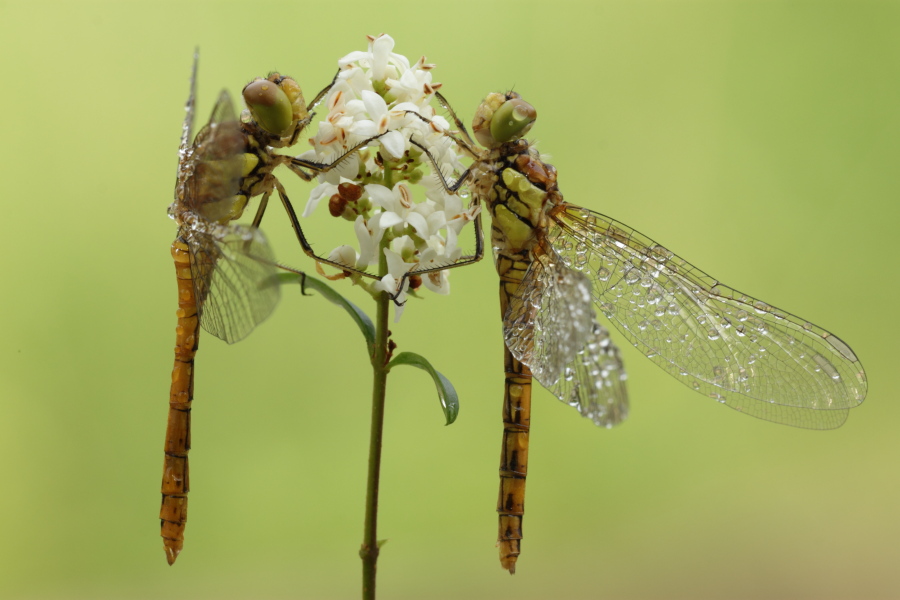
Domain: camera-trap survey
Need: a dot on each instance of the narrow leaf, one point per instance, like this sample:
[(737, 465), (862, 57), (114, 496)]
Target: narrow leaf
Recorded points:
[(446, 392), (361, 319)]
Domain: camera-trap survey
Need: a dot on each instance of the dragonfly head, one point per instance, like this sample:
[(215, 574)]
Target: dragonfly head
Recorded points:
[(502, 118), (276, 104)]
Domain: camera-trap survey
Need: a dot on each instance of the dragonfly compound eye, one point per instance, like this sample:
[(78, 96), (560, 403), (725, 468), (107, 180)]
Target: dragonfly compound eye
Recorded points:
[(512, 120), (269, 105), (502, 118)]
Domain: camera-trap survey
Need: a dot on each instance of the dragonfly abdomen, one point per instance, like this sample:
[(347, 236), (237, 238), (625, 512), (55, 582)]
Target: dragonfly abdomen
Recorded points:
[(175, 482), (516, 426)]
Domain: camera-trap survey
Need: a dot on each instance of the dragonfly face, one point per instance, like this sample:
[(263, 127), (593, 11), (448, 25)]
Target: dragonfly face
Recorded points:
[(558, 262)]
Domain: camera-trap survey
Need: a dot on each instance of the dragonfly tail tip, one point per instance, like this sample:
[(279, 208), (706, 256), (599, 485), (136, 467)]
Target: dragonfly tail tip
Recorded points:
[(171, 554)]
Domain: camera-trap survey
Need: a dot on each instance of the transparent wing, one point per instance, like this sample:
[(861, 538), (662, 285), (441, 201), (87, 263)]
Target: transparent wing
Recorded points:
[(188, 125), (550, 326), (720, 342), (235, 280), (215, 164)]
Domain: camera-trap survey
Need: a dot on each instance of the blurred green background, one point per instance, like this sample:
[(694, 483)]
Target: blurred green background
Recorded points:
[(757, 139)]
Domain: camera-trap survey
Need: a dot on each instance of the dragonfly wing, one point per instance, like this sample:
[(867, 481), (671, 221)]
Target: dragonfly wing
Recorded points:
[(235, 280), (744, 353), (550, 326), (215, 165), (187, 126)]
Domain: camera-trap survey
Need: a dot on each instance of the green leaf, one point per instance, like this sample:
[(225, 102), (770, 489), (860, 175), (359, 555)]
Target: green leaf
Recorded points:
[(446, 392), (361, 319)]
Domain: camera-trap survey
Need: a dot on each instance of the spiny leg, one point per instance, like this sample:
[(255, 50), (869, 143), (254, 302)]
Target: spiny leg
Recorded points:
[(459, 124)]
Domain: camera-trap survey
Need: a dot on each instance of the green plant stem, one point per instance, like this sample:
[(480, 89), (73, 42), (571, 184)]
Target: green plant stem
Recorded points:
[(369, 550)]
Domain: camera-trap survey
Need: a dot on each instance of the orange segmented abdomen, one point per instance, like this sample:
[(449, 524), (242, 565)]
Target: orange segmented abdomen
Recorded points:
[(516, 425), (175, 481)]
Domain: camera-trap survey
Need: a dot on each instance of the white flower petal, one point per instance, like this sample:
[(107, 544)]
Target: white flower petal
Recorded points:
[(364, 129), (369, 236), (396, 265), (344, 255), (419, 223), (375, 105), (438, 282), (380, 195), (381, 49), (323, 190), (394, 143), (351, 58), (389, 219)]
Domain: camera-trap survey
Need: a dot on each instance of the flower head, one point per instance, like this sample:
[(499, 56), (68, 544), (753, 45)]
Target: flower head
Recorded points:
[(382, 101)]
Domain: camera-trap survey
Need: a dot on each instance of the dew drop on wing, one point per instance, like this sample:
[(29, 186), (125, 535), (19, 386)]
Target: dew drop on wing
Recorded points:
[(827, 367)]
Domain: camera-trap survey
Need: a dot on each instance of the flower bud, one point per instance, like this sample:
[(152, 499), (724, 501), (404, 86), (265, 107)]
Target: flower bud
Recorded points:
[(336, 205)]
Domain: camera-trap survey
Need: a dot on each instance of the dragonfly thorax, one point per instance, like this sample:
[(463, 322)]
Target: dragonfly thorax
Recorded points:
[(517, 200)]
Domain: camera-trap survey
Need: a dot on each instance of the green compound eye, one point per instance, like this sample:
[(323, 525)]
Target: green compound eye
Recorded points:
[(512, 120), (269, 106)]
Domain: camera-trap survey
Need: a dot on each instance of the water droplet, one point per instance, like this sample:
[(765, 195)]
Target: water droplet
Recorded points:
[(632, 276), (660, 254), (672, 309), (742, 315), (712, 334), (603, 274), (827, 367), (761, 307)]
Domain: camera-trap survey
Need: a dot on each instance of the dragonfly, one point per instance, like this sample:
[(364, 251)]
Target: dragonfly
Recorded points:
[(224, 270), (557, 262)]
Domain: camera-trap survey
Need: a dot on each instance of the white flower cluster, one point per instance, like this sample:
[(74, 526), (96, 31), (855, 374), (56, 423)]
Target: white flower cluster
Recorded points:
[(372, 99)]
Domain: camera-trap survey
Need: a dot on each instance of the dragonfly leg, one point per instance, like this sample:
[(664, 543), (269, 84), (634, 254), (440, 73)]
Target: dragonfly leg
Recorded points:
[(450, 188), (459, 124), (261, 209), (321, 95), (295, 224), (298, 164), (464, 142)]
